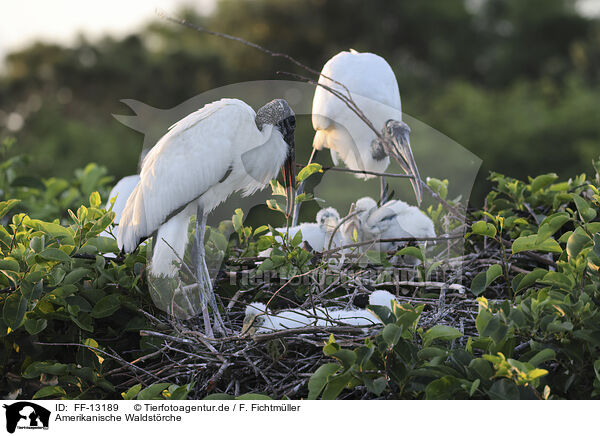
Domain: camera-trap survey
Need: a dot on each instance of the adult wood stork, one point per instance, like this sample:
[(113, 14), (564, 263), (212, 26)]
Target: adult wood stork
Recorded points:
[(373, 87), (222, 148)]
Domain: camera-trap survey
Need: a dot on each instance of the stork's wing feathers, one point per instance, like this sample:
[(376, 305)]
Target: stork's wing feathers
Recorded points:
[(363, 74), (193, 156), (121, 192)]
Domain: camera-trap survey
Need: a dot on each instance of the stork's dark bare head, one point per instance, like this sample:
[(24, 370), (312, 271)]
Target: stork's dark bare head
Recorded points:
[(275, 113), (279, 114)]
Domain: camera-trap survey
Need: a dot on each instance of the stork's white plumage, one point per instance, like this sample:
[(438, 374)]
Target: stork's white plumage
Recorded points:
[(362, 208), (258, 315), (395, 219), (317, 234), (121, 192), (373, 87), (222, 148)]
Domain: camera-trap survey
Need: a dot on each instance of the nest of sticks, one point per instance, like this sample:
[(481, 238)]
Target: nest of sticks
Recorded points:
[(280, 363)]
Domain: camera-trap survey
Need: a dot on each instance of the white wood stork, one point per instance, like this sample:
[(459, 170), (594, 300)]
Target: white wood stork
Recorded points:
[(222, 148), (316, 234), (259, 318), (373, 87), (354, 226), (121, 192), (395, 219)]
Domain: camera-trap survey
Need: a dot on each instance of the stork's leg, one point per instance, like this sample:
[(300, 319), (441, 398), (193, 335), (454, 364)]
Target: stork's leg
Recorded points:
[(383, 191), (300, 190), (203, 278)]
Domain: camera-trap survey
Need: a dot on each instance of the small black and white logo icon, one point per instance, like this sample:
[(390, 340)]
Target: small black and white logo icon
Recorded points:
[(26, 415)]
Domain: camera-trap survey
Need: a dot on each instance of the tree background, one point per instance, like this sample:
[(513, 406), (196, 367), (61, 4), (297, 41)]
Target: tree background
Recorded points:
[(515, 82)]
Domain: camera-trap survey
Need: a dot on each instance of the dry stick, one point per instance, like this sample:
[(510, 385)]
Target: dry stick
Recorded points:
[(306, 330), (289, 281), (373, 241), (372, 173)]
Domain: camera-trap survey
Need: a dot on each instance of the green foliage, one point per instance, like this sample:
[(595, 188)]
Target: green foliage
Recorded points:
[(56, 287), (403, 362)]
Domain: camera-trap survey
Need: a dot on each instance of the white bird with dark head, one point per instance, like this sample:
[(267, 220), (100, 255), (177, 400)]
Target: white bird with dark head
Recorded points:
[(222, 148), (373, 87)]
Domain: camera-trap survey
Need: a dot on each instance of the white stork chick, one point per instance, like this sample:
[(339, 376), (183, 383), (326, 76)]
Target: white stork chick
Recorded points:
[(394, 220), (316, 234), (373, 87), (222, 148), (353, 228), (262, 320)]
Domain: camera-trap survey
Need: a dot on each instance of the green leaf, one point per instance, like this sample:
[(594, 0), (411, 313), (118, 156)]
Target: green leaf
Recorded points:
[(6, 206), (441, 332), (153, 392), (484, 229), (578, 240), (260, 229), (49, 391), (411, 251), (14, 310), (101, 224), (237, 219), (106, 306), (95, 200), (54, 254), (482, 280), (75, 276), (541, 182), (335, 386), (391, 334), (34, 326), (529, 279), (132, 392), (54, 230), (307, 171), (35, 369), (376, 386), (273, 205), (503, 390), (586, 212), (529, 243), (9, 264), (439, 186), (319, 379), (542, 356), (346, 357), (551, 225), (442, 388), (495, 329)]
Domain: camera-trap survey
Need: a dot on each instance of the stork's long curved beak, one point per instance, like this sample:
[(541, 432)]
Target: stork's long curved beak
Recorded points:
[(288, 170), (403, 154)]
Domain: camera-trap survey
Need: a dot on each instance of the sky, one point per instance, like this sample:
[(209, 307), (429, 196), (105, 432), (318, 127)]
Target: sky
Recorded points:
[(25, 21)]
